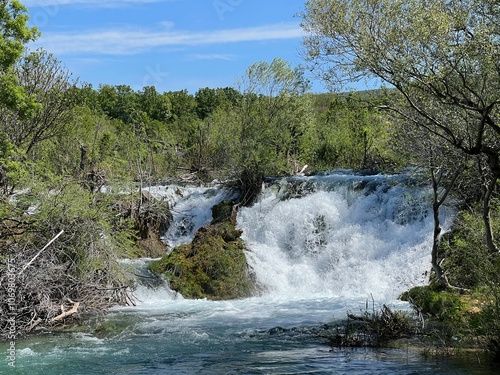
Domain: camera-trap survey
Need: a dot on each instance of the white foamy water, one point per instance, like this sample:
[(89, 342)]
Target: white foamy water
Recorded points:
[(340, 236), (191, 209), (319, 247)]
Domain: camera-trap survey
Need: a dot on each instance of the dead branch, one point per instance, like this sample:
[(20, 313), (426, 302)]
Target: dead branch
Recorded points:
[(65, 314), (38, 254), (33, 324)]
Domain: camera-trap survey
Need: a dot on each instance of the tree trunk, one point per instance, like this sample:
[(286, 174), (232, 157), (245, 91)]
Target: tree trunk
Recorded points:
[(436, 204), (489, 184), (436, 267), (490, 240)]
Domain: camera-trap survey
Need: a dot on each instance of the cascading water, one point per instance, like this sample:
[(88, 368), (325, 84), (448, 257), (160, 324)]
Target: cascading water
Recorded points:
[(340, 235), (190, 207), (319, 247)]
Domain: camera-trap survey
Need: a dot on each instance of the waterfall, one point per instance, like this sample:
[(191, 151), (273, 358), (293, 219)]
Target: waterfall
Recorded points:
[(191, 208), (337, 234), (319, 246), (340, 235)]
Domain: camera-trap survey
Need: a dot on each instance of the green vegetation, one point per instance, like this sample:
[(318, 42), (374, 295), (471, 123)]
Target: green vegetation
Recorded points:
[(466, 313), (62, 144), (213, 265), (440, 60)]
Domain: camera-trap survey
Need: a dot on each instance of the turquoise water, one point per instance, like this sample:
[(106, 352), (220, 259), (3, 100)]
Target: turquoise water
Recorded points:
[(319, 247), (244, 337)]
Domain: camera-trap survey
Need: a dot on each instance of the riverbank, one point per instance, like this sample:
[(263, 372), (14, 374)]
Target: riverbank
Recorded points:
[(164, 334)]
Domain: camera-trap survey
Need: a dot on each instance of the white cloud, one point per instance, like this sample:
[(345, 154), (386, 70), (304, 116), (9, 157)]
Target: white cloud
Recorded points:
[(134, 41), (99, 3), (213, 56)]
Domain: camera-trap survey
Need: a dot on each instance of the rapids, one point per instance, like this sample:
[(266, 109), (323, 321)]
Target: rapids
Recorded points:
[(319, 246)]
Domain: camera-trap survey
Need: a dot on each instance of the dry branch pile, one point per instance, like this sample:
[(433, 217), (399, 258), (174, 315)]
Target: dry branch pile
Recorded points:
[(61, 264), (39, 292)]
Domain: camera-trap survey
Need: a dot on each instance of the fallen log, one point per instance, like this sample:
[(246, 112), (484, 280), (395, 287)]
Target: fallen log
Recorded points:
[(38, 254), (64, 314)]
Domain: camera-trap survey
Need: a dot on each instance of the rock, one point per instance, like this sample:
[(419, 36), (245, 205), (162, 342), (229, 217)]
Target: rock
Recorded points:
[(212, 266), (224, 211)]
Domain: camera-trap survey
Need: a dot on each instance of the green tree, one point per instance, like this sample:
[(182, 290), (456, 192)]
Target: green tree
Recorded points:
[(441, 57), (118, 102), (208, 100), (274, 115), (10, 170), (157, 106), (14, 35), (183, 104), (351, 134), (49, 84)]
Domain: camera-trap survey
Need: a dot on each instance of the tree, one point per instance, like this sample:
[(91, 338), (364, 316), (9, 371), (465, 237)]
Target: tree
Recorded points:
[(441, 57), (157, 106), (208, 100), (118, 102), (350, 134), (183, 104), (275, 112), (10, 170), (14, 35), (46, 81)]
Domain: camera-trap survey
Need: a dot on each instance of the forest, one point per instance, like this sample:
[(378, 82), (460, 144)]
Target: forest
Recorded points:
[(74, 157)]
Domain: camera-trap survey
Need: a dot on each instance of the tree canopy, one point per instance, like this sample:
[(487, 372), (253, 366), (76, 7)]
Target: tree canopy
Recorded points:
[(14, 35), (441, 57)]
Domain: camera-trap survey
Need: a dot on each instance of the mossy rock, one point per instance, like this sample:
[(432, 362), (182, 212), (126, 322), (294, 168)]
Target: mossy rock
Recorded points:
[(223, 212), (436, 302), (212, 266)]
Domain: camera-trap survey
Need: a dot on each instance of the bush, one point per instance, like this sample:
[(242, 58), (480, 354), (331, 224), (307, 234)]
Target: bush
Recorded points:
[(444, 305), (80, 269), (373, 329), (467, 262)]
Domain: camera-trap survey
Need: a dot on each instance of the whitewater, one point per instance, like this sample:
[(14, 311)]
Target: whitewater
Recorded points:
[(319, 247)]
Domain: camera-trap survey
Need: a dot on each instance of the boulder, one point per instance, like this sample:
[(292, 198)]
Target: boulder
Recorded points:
[(212, 266)]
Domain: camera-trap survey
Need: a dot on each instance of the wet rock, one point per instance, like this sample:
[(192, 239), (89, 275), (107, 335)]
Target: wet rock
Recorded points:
[(213, 265)]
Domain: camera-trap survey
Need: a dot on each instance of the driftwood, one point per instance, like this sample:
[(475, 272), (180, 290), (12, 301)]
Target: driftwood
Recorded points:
[(64, 314)]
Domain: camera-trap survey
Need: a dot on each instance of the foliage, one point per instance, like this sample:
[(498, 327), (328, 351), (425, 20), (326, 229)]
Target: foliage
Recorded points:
[(10, 169), (274, 116), (49, 84), (441, 304), (14, 35), (486, 322), (441, 58), (83, 260), (351, 133), (466, 320), (212, 266), (466, 259), (373, 329)]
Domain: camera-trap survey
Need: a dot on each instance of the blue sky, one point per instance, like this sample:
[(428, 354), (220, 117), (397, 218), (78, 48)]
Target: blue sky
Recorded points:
[(171, 44)]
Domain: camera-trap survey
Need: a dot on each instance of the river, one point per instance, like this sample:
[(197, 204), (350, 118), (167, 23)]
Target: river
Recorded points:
[(319, 247)]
